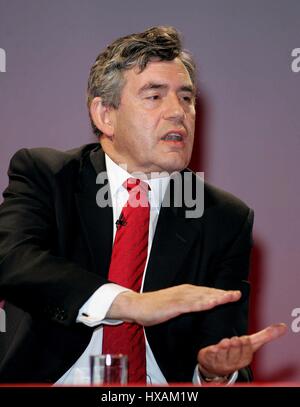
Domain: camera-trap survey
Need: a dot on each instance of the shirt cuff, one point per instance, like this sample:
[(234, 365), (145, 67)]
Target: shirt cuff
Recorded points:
[(197, 379), (94, 310)]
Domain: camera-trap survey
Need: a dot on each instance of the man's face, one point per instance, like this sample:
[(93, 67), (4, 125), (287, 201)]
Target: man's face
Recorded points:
[(155, 121)]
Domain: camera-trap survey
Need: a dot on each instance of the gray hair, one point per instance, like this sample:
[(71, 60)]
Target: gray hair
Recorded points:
[(106, 78)]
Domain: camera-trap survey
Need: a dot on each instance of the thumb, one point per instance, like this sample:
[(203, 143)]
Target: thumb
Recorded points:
[(266, 335)]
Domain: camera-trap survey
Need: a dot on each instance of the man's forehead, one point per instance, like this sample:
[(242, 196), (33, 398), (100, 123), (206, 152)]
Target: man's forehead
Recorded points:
[(161, 72)]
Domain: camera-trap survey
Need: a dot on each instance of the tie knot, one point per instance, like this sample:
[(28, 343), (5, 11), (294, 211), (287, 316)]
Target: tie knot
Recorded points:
[(132, 183), (138, 192)]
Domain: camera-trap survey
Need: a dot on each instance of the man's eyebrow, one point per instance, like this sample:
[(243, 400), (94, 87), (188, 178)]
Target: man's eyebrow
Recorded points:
[(188, 88), (152, 85), (156, 85)]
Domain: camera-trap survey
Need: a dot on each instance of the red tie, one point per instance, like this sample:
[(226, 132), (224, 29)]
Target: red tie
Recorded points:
[(126, 269)]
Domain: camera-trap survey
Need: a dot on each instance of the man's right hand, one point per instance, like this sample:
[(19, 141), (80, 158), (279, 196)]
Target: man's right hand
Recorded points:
[(158, 306)]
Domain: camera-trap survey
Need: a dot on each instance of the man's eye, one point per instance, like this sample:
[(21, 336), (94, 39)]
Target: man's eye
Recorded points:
[(187, 99), (153, 97)]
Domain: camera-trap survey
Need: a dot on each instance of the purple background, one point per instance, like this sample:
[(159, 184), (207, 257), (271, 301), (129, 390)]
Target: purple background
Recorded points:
[(248, 125)]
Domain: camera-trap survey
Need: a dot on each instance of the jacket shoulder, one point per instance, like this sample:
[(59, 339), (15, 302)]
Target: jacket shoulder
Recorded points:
[(227, 211), (217, 197), (50, 159), (221, 207)]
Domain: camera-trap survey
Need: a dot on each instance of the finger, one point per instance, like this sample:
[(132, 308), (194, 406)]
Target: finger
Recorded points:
[(233, 348), (222, 360), (246, 352), (224, 344), (266, 335), (222, 357), (207, 357), (239, 354), (232, 295), (216, 361), (223, 297), (235, 352)]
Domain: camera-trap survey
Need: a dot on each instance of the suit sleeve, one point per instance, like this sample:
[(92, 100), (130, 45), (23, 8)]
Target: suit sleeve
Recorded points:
[(230, 272), (32, 276)]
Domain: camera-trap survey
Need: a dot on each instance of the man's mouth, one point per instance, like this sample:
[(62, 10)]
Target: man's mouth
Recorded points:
[(173, 136)]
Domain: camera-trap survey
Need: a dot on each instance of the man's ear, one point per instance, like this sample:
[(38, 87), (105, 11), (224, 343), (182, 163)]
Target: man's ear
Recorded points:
[(101, 116)]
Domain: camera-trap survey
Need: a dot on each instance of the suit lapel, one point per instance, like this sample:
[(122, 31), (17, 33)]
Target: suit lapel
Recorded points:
[(173, 239), (96, 222)]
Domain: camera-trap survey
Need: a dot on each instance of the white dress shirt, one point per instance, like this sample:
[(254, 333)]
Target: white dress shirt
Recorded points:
[(94, 311)]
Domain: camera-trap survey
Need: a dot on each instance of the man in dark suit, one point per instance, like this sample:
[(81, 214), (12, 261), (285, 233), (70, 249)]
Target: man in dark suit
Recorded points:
[(56, 235)]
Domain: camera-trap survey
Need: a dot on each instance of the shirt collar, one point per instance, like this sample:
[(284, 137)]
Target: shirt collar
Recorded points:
[(118, 175)]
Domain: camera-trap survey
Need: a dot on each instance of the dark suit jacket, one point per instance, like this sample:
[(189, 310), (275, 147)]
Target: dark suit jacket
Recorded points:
[(55, 249)]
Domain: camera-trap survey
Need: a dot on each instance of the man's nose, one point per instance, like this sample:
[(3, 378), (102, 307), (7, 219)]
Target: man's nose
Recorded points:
[(173, 109)]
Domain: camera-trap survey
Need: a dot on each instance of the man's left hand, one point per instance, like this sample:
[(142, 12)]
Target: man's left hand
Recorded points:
[(235, 353)]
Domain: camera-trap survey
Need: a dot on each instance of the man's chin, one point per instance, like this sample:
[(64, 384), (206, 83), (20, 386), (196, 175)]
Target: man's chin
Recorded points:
[(174, 166)]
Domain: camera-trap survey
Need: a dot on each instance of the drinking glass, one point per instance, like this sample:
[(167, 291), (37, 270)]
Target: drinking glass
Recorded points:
[(108, 369)]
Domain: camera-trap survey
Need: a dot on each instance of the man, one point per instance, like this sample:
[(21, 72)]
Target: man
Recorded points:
[(61, 277)]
